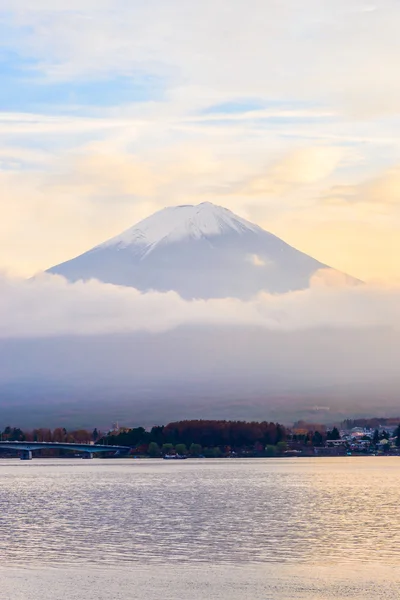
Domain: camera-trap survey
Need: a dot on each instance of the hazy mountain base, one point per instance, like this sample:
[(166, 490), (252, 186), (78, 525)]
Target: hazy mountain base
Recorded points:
[(233, 373)]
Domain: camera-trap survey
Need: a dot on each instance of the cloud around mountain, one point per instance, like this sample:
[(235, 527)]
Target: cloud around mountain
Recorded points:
[(90, 348), (51, 306)]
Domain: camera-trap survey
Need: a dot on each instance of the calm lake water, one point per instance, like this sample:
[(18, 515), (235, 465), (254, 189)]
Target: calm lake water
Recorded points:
[(274, 529)]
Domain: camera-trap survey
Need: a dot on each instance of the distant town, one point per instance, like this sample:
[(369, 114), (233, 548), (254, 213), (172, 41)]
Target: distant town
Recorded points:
[(218, 439)]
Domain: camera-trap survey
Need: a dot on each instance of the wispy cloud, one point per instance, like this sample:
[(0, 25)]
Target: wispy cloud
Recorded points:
[(256, 115), (50, 306), (248, 46), (300, 167), (381, 191)]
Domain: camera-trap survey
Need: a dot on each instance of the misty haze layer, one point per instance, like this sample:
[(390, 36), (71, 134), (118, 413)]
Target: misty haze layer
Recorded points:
[(212, 372), (83, 352)]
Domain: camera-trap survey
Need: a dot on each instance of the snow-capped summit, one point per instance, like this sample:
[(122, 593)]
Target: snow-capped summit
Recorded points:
[(202, 251), (177, 223)]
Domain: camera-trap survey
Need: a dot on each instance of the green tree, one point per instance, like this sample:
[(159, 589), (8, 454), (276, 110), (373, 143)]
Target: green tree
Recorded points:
[(209, 452), (281, 447), (334, 434), (375, 439), (181, 449), (397, 435), (17, 435), (317, 439), (153, 450), (280, 433), (195, 449), (270, 450), (156, 434), (167, 448)]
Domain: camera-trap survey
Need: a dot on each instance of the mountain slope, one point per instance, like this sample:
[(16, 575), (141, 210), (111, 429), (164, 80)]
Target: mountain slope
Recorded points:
[(202, 251)]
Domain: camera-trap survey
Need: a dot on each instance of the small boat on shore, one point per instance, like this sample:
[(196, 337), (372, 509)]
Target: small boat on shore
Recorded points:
[(174, 457)]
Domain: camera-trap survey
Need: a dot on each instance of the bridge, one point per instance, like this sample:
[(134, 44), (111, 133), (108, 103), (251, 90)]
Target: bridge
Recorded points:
[(26, 448)]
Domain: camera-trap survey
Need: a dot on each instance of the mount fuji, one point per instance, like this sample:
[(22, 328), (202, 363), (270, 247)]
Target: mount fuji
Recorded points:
[(202, 251)]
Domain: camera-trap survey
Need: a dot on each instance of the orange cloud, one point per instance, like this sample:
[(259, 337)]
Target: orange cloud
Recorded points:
[(301, 167)]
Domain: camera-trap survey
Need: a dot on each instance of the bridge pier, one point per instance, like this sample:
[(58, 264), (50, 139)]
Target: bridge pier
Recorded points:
[(26, 455)]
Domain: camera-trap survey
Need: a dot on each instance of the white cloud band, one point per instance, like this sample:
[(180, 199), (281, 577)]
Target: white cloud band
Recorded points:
[(50, 306)]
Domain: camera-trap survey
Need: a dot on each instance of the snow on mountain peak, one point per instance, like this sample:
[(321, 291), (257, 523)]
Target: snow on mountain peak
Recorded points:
[(202, 251), (176, 223)]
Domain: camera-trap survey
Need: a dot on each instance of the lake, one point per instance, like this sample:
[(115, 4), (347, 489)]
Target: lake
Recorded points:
[(229, 529)]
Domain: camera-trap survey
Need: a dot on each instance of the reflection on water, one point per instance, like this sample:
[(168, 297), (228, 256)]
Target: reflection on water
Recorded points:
[(291, 523)]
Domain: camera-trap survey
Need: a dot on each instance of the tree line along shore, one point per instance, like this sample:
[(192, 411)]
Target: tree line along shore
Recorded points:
[(213, 439)]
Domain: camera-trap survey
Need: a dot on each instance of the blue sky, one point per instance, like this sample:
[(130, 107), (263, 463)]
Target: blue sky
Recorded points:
[(25, 89)]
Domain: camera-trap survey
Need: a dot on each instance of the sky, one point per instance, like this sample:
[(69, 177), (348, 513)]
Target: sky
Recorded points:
[(286, 112)]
